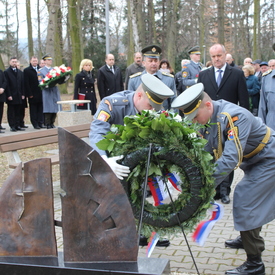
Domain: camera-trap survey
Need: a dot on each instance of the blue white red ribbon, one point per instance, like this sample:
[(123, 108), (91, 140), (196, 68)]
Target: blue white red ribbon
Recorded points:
[(203, 229), (152, 243), (158, 187)]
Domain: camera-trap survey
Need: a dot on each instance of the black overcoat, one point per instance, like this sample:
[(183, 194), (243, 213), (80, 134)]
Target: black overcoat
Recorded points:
[(3, 84), (15, 86), (31, 85), (108, 82), (85, 85), (232, 88)]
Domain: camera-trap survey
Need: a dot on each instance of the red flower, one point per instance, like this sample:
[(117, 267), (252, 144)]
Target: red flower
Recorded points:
[(165, 113), (62, 70)]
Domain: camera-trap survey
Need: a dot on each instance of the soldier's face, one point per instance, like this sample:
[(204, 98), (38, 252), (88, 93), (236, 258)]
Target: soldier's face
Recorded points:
[(141, 102), (204, 113), (195, 57), (151, 65), (218, 56)]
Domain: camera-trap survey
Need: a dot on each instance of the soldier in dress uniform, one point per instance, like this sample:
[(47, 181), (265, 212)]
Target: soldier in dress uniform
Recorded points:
[(151, 55), (50, 95), (267, 99), (190, 72), (238, 139), (112, 109)]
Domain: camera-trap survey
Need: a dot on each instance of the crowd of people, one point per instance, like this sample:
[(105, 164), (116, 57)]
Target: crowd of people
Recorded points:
[(236, 105), (237, 100)]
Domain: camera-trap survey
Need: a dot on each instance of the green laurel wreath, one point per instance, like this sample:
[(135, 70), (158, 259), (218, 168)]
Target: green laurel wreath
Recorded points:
[(177, 149)]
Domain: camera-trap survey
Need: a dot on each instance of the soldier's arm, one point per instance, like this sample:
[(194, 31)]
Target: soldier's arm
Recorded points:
[(186, 78)]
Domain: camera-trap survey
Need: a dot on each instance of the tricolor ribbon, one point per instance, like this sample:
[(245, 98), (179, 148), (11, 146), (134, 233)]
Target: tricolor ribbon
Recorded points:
[(152, 243), (203, 229), (158, 188)]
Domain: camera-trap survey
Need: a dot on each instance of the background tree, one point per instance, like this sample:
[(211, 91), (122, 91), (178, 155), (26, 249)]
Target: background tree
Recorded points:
[(74, 31), (29, 24)]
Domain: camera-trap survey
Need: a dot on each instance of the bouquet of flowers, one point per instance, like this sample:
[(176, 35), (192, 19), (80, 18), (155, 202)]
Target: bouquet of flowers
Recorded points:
[(57, 75)]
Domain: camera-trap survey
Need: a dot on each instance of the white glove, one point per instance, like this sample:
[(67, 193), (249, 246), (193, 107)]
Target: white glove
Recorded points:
[(120, 170)]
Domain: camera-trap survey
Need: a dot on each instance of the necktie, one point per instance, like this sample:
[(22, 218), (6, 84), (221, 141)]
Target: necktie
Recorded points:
[(219, 78), (112, 69)]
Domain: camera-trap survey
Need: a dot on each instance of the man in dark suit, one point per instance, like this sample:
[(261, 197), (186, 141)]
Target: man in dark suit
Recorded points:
[(34, 94), (14, 94), (109, 78), (222, 81)]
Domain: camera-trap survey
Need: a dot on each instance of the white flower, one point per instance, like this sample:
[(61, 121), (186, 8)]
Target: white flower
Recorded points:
[(177, 118)]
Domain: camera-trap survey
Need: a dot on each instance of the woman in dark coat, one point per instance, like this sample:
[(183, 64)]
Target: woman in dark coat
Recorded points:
[(253, 88), (84, 87)]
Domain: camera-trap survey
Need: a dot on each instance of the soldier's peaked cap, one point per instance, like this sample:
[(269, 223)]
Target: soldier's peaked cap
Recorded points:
[(190, 100), (152, 51), (194, 50), (155, 90), (46, 56)]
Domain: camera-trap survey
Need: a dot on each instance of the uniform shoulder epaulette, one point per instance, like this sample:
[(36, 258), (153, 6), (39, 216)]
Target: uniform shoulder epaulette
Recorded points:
[(267, 72), (167, 74), (136, 74)]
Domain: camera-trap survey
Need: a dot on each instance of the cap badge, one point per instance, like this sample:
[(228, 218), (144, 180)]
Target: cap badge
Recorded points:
[(154, 49)]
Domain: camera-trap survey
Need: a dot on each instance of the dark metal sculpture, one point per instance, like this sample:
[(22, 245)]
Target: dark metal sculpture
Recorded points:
[(97, 219), (27, 233)]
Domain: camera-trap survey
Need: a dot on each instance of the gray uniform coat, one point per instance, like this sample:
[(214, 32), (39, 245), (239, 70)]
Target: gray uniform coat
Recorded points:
[(254, 195), (167, 79), (190, 73), (267, 100), (111, 110), (49, 95)]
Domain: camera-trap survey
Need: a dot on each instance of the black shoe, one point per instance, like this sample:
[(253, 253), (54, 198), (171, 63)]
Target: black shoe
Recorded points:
[(52, 126), (225, 199), (2, 128), (2, 132), (49, 126), (236, 243), (252, 266), (36, 127), (143, 242), (19, 128), (42, 126), (13, 129), (24, 126)]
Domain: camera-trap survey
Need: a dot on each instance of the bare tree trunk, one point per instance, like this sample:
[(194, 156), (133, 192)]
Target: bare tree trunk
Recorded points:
[(133, 17), (202, 26), (29, 24), (140, 21), (77, 54), (256, 29), (152, 38), (220, 21), (54, 44), (39, 30), (17, 30), (131, 44), (172, 11)]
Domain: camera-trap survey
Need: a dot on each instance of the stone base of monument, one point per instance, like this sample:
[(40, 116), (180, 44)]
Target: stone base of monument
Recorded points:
[(144, 266), (74, 118)]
